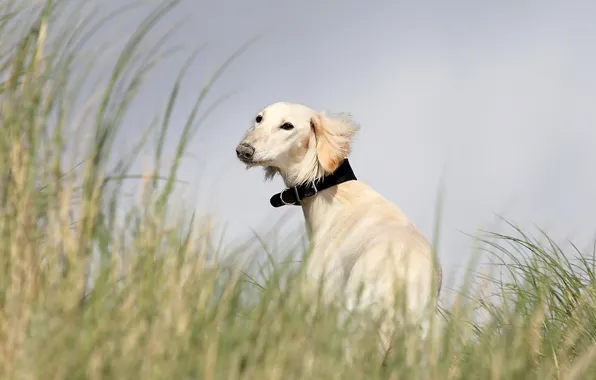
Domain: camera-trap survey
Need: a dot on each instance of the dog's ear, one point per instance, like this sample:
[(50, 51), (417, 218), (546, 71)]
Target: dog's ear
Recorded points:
[(334, 138)]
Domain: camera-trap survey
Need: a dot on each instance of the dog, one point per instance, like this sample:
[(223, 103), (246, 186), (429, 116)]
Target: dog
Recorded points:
[(362, 245)]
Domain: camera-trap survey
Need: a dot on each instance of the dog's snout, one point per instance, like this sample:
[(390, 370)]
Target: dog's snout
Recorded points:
[(245, 151)]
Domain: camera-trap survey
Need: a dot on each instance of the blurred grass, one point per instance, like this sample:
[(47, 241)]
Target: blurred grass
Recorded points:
[(91, 287)]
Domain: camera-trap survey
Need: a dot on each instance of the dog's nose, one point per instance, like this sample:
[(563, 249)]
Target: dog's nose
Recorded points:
[(245, 151)]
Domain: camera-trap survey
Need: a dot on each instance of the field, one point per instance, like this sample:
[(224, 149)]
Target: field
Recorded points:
[(95, 287)]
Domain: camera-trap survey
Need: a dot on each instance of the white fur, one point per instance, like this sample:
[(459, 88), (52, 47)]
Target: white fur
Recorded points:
[(357, 236)]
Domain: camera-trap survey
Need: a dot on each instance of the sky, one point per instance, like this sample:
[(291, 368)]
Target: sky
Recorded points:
[(494, 99)]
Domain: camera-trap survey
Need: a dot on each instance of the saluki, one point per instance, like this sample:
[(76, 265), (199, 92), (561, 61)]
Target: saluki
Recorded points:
[(362, 244)]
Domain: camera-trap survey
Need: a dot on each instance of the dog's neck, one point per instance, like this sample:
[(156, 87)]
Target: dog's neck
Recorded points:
[(307, 171)]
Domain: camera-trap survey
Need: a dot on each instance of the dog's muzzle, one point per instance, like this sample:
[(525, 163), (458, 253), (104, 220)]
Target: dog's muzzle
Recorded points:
[(245, 152)]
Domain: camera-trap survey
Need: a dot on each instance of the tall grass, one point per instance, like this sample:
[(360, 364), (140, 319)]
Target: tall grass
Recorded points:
[(93, 287)]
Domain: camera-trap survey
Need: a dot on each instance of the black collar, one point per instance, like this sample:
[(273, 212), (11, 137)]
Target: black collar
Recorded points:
[(294, 195)]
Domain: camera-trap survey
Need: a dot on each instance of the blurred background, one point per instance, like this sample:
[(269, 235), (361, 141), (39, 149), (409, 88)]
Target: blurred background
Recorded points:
[(495, 100)]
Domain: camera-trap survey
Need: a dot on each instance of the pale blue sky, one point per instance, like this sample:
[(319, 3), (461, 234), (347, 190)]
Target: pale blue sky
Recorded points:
[(499, 94)]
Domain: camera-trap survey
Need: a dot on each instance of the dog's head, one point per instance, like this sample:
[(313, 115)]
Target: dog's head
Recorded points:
[(296, 142)]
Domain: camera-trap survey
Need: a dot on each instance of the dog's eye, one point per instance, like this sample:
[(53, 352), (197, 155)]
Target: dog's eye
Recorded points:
[(287, 126), (258, 119)]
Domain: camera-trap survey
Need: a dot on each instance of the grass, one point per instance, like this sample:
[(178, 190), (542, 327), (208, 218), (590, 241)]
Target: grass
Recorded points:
[(94, 287)]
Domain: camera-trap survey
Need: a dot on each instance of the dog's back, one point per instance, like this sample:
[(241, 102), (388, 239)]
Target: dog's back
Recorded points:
[(362, 239)]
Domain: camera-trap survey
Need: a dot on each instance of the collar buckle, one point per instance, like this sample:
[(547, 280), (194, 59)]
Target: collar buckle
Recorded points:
[(281, 197)]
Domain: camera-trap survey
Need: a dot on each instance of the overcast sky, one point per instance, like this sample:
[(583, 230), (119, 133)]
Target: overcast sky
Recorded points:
[(498, 97)]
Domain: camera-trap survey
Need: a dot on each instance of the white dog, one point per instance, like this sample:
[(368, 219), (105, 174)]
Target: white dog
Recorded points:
[(358, 237)]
